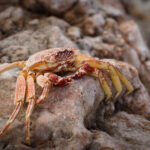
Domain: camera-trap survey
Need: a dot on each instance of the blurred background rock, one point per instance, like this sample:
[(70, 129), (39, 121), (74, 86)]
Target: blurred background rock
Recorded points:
[(140, 11)]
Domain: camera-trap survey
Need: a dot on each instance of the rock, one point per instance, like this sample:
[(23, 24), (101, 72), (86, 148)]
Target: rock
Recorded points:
[(93, 25), (74, 33), (125, 130), (82, 9), (14, 19), (138, 6), (133, 35), (34, 41), (76, 116), (55, 127), (90, 43), (50, 6), (11, 19), (58, 39), (111, 33), (140, 11), (113, 8), (130, 55), (145, 74), (57, 22), (103, 141), (34, 22), (2, 2), (14, 53)]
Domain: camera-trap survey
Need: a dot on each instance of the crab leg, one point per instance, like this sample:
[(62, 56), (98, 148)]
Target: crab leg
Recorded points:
[(44, 93), (19, 64), (46, 84), (116, 76), (113, 74), (115, 80), (48, 79), (105, 85), (19, 99), (31, 103), (125, 82)]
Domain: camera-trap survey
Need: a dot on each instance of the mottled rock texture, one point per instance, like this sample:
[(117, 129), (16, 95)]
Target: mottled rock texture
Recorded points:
[(76, 117)]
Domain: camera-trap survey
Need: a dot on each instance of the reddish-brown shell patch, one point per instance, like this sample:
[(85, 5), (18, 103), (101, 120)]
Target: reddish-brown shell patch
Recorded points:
[(64, 55)]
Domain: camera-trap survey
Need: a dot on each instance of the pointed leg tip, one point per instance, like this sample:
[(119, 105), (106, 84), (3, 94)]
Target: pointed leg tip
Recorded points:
[(28, 141), (127, 93), (107, 99), (116, 96), (2, 131)]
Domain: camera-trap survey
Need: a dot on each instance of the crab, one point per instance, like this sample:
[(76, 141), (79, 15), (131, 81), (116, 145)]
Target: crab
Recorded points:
[(43, 67)]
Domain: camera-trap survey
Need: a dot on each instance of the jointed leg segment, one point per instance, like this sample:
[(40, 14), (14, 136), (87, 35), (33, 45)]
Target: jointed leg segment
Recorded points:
[(30, 98), (115, 80), (49, 79), (105, 85), (19, 64), (44, 82), (19, 99)]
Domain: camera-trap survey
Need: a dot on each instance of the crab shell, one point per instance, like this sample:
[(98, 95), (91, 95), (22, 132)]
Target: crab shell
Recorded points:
[(55, 59)]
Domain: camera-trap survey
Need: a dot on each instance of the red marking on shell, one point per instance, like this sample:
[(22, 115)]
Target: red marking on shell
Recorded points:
[(88, 68), (64, 55)]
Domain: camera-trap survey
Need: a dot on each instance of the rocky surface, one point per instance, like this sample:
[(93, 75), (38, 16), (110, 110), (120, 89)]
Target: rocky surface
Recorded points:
[(140, 11), (86, 123), (100, 29)]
